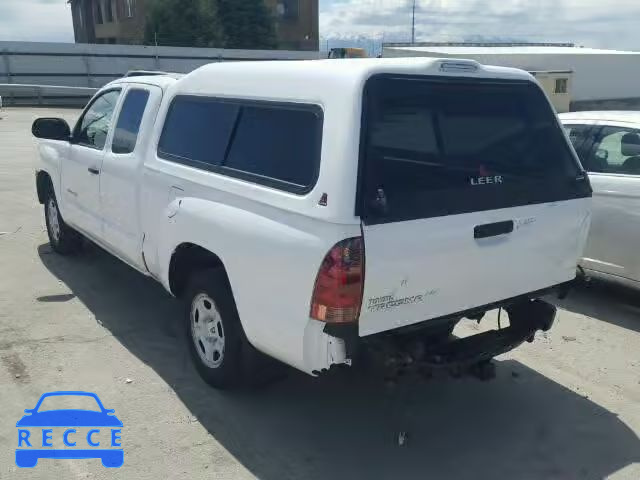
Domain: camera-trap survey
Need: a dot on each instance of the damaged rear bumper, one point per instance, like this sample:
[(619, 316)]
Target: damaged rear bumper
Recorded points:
[(323, 349), (526, 319), (327, 345)]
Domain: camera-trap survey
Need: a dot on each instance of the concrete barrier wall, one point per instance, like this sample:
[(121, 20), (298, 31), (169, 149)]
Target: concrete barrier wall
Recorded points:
[(88, 65), (14, 94)]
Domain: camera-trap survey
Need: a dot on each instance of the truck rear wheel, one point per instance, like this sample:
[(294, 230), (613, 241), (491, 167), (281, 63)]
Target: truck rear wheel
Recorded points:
[(62, 238), (223, 356)]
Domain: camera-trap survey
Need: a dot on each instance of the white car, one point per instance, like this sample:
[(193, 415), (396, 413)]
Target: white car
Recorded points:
[(303, 209), (608, 144)]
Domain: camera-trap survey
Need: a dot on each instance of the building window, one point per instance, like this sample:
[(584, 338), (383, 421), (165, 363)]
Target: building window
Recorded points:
[(97, 8), (130, 7), (79, 16), (288, 9), (108, 12), (562, 85), (114, 9)]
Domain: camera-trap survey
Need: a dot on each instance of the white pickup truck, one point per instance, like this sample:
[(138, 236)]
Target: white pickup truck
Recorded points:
[(304, 209)]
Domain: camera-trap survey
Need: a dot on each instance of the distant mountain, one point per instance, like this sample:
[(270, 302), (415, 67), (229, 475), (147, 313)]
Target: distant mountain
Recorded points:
[(373, 45)]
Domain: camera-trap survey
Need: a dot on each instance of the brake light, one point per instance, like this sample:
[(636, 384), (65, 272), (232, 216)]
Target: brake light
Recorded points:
[(337, 295), (460, 66)]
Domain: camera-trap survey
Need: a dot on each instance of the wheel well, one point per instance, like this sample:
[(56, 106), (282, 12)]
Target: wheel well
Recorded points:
[(186, 259), (43, 184)]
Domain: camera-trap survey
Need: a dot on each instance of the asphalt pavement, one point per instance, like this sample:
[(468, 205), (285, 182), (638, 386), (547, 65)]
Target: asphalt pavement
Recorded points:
[(565, 407)]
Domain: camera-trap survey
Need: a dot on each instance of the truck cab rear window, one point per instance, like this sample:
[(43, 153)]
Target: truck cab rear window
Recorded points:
[(129, 121), (435, 147), (270, 143)]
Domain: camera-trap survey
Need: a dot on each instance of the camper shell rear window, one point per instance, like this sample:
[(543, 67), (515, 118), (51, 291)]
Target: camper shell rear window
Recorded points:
[(437, 146)]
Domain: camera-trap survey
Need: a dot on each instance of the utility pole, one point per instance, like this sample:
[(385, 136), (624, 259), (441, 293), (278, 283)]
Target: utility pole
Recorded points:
[(155, 41), (413, 23)]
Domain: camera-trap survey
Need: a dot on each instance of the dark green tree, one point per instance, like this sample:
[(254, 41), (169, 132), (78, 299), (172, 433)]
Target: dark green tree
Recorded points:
[(184, 23), (247, 24)]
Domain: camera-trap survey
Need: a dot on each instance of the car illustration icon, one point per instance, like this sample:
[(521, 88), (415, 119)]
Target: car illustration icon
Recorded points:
[(84, 432)]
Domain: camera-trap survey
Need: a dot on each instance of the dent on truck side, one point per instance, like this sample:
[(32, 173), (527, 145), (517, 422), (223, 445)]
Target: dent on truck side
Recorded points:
[(271, 261)]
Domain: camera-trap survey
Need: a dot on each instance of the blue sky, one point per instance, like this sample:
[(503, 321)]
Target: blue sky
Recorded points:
[(596, 23)]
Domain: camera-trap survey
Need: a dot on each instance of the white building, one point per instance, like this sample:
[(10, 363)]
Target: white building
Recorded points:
[(593, 78)]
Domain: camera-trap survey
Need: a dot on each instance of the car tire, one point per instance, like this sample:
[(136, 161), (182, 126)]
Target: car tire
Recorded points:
[(222, 355), (62, 238)]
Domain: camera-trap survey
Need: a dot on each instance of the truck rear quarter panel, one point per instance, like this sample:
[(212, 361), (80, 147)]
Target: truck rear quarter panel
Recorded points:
[(271, 256)]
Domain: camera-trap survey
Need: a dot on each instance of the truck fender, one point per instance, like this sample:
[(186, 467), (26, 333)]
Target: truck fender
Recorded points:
[(252, 247)]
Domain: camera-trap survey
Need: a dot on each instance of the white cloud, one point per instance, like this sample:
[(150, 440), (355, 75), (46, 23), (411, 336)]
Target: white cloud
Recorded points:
[(35, 20), (611, 24), (597, 23)]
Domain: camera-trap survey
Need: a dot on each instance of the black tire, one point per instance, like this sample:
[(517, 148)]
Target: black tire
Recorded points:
[(62, 238), (239, 363)]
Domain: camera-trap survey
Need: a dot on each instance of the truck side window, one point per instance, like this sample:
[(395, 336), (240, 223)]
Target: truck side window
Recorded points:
[(197, 131), (582, 138), (128, 126), (277, 143), (269, 143), (92, 129)]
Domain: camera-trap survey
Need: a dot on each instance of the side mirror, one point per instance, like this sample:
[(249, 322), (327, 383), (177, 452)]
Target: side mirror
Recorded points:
[(28, 410), (51, 129)]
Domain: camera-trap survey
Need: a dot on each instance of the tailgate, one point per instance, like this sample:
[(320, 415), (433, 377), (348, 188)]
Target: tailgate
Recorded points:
[(470, 194), (426, 269)]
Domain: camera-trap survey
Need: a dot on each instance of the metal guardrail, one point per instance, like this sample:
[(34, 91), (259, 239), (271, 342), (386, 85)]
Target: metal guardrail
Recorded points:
[(14, 94), (89, 65), (29, 70)]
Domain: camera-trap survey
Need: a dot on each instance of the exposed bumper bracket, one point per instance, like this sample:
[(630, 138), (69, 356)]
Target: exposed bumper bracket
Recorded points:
[(473, 354), (526, 319)]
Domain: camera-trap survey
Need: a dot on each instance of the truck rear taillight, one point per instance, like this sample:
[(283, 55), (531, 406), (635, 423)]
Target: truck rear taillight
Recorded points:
[(337, 295)]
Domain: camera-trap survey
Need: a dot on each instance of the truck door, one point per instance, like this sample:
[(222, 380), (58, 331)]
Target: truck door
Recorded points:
[(613, 164), (122, 172), (80, 179)]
